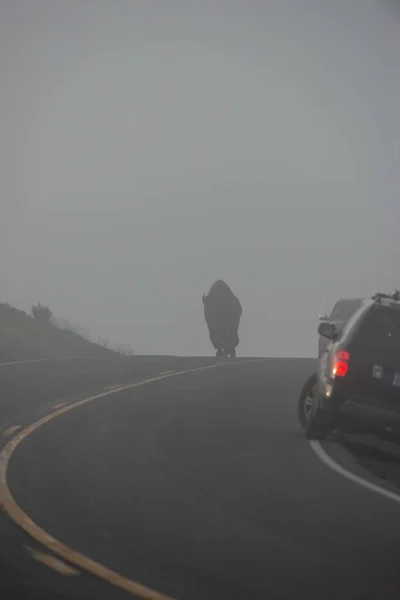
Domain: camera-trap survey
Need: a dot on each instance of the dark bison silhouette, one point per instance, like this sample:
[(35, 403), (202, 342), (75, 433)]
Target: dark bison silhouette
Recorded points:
[(222, 312)]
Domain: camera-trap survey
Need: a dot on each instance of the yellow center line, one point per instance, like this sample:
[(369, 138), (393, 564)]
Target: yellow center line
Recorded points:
[(53, 562), (15, 512), (11, 430), (59, 405), (113, 387)]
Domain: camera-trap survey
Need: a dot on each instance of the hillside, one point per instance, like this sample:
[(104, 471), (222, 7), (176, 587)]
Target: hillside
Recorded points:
[(23, 337)]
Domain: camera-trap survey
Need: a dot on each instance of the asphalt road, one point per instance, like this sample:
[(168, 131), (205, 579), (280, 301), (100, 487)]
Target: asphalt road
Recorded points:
[(199, 486)]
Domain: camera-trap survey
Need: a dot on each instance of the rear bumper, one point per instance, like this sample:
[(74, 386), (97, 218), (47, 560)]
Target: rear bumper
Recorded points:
[(367, 409)]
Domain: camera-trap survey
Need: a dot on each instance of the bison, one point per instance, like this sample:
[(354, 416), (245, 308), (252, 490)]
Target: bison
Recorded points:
[(222, 312)]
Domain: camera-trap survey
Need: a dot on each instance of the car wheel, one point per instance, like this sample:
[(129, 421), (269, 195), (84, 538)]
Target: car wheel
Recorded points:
[(306, 399), (320, 423)]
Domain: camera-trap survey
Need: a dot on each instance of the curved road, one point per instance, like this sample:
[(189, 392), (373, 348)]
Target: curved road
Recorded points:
[(192, 486)]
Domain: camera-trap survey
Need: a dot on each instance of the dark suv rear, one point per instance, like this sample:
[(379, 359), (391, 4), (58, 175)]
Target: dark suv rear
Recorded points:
[(359, 372)]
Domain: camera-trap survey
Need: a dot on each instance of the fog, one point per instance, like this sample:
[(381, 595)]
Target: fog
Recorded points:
[(149, 147)]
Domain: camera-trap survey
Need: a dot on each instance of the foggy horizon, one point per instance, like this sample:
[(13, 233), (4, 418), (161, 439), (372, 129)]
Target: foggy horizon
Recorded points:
[(149, 149)]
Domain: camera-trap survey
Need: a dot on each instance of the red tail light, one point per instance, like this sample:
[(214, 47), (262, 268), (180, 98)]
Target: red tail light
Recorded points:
[(340, 364)]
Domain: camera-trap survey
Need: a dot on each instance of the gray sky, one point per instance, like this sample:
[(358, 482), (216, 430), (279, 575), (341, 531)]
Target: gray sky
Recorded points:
[(149, 147)]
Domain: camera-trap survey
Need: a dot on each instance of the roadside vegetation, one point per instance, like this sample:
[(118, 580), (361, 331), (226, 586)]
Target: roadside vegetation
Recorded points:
[(40, 335)]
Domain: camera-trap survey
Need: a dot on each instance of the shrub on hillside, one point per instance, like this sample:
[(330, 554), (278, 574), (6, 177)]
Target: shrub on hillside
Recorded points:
[(42, 313)]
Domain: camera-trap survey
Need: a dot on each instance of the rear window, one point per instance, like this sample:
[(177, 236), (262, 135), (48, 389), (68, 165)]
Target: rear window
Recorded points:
[(380, 330), (344, 309)]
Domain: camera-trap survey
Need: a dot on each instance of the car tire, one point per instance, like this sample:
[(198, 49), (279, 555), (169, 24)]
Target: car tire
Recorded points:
[(320, 422), (306, 392)]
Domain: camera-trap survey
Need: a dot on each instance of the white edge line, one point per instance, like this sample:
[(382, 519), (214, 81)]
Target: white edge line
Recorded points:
[(325, 458)]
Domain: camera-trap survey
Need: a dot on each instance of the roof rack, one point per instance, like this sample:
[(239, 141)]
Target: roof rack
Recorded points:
[(394, 296)]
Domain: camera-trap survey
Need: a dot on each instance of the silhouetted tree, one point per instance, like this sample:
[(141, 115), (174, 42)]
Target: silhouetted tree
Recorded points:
[(42, 313)]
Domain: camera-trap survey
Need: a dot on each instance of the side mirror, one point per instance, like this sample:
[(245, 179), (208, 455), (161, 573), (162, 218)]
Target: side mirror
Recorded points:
[(323, 317), (328, 330)]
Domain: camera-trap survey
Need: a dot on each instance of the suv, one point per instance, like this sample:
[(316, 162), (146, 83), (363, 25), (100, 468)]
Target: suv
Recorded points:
[(358, 374), (341, 312)]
